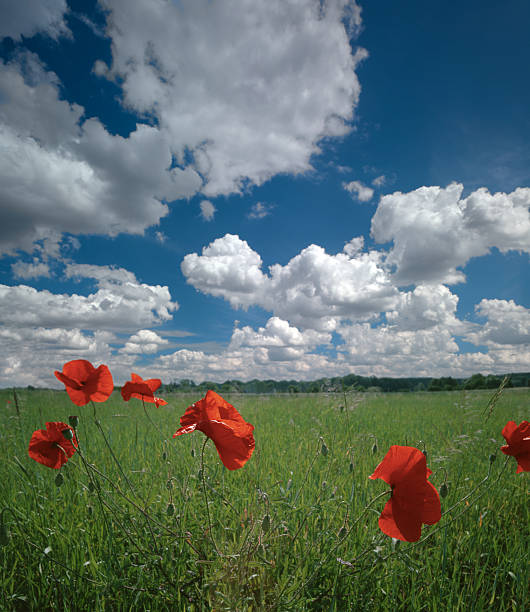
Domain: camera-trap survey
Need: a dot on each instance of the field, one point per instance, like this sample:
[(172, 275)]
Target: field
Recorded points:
[(294, 529)]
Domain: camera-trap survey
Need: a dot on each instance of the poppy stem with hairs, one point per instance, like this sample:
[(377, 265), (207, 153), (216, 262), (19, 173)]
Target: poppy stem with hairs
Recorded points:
[(151, 420), (116, 460), (206, 497), (333, 549)]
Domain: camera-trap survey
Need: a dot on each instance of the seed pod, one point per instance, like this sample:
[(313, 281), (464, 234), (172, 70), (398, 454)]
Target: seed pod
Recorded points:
[(443, 490), (59, 479), (170, 510), (74, 421), (266, 523), (67, 433)]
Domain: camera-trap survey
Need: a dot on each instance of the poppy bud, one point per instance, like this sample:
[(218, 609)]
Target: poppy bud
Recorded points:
[(266, 523), (289, 484), (59, 479), (91, 487), (425, 453), (396, 543), (443, 490), (170, 510), (169, 484), (74, 421), (341, 408), (351, 466), (324, 449), (374, 448), (67, 433), (90, 510), (164, 456), (193, 452), (342, 533), (324, 484), (493, 457)]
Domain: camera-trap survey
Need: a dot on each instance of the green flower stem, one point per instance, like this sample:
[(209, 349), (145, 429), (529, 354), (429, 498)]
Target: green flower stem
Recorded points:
[(116, 460), (206, 498), (332, 550)]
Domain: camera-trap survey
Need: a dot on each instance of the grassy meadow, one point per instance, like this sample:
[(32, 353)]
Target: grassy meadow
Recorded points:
[(291, 530)]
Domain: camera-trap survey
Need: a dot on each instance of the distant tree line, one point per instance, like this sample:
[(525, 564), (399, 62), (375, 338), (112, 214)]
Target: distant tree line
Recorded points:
[(351, 382)]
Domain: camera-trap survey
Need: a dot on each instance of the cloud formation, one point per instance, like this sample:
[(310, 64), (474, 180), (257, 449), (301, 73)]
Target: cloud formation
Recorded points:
[(358, 190), (434, 231), (313, 290), (27, 17), (59, 174), (249, 88), (120, 303)]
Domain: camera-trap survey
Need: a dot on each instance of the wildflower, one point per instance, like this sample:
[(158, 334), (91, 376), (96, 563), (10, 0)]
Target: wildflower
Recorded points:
[(142, 389), (518, 444), (223, 424), (51, 447), (414, 499), (84, 382)]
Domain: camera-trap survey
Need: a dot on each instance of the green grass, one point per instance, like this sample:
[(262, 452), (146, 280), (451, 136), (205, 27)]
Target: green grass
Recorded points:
[(71, 547)]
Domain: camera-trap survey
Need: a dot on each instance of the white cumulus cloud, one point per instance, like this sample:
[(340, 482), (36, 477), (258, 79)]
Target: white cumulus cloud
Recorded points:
[(313, 290), (249, 87), (358, 190), (435, 231)]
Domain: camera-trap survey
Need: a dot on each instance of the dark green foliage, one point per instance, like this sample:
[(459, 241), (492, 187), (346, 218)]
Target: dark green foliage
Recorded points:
[(349, 383)]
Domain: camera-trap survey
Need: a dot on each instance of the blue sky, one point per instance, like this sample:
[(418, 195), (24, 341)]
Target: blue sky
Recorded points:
[(264, 189)]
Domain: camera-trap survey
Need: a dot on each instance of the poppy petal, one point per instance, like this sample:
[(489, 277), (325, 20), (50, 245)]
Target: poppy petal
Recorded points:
[(79, 369), (49, 446), (216, 408), (104, 384), (518, 444), (234, 442), (192, 415), (138, 390), (402, 463), (185, 430), (523, 463), (400, 523), (432, 510), (84, 383)]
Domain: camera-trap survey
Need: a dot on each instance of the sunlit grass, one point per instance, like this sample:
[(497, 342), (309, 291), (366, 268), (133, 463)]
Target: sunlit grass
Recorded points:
[(278, 522)]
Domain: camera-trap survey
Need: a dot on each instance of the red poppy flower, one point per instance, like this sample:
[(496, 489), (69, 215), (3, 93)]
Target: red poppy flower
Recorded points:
[(50, 446), (84, 382), (414, 500), (223, 424), (518, 439), (142, 389)]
